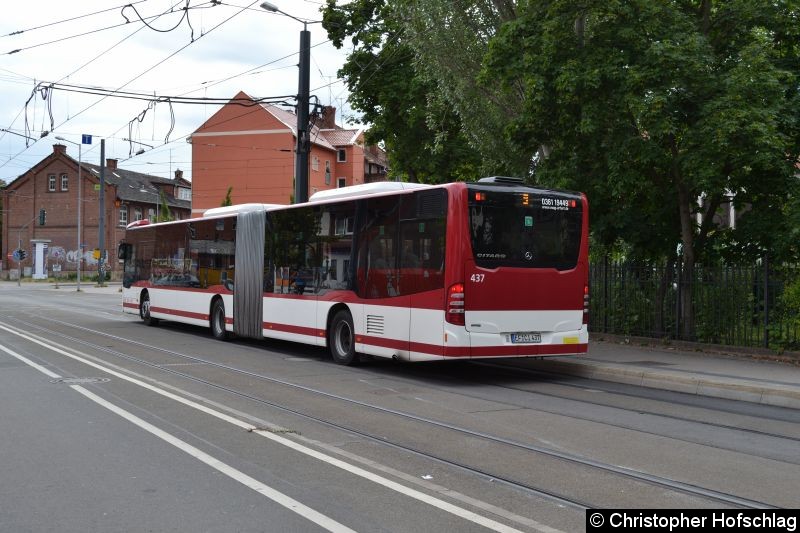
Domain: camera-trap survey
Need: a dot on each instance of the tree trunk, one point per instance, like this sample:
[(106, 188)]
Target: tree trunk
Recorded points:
[(685, 201), (686, 316)]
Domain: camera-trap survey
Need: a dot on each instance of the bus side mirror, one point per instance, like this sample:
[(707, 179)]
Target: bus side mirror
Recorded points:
[(124, 251)]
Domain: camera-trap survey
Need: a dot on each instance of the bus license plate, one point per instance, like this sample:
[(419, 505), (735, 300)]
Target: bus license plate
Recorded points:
[(526, 338)]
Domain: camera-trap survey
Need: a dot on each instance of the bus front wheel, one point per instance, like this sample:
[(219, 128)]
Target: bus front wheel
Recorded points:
[(144, 311), (342, 339), (218, 320)]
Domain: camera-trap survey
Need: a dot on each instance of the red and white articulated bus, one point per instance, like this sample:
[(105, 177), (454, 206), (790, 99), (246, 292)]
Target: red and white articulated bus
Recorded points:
[(413, 272)]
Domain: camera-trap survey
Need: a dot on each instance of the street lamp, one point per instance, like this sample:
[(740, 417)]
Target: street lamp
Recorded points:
[(301, 159), (80, 204)]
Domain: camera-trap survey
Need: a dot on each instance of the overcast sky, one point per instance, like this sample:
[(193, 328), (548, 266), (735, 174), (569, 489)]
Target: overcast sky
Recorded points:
[(234, 49)]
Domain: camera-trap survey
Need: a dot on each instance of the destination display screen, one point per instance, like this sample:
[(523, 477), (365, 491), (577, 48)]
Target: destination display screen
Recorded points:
[(525, 229)]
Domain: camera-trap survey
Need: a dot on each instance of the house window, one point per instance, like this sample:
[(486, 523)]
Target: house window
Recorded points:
[(123, 215), (137, 213), (64, 182), (151, 214), (327, 172), (341, 155), (342, 182), (315, 163), (332, 269), (184, 193), (51, 182), (344, 226)]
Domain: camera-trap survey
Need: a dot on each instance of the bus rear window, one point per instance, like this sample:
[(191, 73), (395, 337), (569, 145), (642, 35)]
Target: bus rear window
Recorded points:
[(525, 228)]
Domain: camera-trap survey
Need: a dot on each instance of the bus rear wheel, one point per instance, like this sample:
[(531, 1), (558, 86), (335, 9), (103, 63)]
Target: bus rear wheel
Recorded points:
[(144, 310), (342, 339), (218, 320)]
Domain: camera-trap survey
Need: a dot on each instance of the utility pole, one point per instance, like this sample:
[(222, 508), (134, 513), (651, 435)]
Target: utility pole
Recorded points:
[(101, 279), (303, 137)]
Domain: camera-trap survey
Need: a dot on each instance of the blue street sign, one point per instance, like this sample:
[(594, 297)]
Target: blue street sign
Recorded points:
[(86, 139)]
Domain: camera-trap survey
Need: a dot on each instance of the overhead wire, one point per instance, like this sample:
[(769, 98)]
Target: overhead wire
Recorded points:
[(83, 66), (149, 69), (98, 30), (19, 32), (206, 84)]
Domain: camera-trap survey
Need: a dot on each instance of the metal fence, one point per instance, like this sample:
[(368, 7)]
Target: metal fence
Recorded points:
[(752, 306)]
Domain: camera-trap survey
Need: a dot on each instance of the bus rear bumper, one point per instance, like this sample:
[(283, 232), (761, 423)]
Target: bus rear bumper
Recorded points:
[(550, 343)]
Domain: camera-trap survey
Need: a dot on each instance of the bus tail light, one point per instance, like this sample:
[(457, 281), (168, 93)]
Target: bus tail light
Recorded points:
[(455, 304), (585, 304)]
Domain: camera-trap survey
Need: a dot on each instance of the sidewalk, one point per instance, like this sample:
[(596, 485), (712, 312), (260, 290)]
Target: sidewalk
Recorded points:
[(746, 378), (90, 287)]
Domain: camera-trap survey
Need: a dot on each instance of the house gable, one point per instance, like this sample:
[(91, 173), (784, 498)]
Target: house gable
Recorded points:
[(240, 116)]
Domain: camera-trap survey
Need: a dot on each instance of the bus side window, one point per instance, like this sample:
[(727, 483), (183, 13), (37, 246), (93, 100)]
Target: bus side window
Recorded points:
[(378, 249), (422, 235), (294, 258)]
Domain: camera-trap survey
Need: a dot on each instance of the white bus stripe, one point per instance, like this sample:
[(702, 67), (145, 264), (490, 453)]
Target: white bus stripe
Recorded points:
[(408, 491)]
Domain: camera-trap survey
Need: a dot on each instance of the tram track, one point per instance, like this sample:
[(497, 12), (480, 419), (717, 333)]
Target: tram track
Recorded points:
[(562, 499), (637, 411)]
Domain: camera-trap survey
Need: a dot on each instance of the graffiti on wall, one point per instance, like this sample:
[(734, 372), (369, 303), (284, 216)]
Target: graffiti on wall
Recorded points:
[(57, 255)]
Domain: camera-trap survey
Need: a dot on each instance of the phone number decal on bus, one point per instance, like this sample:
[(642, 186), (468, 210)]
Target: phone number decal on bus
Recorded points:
[(558, 204)]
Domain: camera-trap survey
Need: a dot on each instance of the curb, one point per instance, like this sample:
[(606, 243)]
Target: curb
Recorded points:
[(730, 389)]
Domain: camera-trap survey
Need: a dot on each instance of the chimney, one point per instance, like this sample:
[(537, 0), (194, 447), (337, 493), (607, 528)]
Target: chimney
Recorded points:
[(178, 174), (327, 119), (111, 164), (60, 149)]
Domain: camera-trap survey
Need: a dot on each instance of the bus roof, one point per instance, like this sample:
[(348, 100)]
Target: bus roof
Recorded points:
[(365, 189), (239, 208)]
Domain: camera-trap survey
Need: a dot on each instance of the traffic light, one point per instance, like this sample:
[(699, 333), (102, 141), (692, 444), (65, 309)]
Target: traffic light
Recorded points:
[(42, 216), (22, 255)]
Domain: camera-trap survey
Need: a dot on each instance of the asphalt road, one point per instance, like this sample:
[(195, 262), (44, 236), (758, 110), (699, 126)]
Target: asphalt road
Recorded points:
[(110, 425)]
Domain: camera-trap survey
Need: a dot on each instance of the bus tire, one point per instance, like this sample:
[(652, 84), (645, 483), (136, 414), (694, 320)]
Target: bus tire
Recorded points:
[(218, 320), (144, 310), (342, 339)]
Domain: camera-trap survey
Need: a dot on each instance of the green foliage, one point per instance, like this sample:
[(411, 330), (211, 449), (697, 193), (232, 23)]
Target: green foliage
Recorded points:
[(423, 139), (647, 105), (227, 201), (785, 333), (729, 303), (164, 214)]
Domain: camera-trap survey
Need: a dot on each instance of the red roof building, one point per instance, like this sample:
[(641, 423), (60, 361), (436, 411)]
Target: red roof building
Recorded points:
[(249, 148)]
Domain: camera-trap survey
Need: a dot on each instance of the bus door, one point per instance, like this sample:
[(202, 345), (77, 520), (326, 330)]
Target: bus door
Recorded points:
[(524, 284)]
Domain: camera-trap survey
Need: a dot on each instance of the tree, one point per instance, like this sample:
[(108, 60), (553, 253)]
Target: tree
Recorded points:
[(658, 110), (164, 214), (422, 137), (227, 201), (450, 39)]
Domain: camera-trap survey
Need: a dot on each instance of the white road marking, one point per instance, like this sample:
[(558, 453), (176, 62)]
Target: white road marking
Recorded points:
[(333, 461), (28, 362), (265, 490), (278, 497)]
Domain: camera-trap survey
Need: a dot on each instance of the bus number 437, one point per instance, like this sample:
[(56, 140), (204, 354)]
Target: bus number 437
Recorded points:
[(477, 278)]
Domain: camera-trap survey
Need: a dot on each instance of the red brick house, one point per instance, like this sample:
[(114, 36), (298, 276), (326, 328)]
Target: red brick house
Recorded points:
[(250, 148), (52, 185)]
